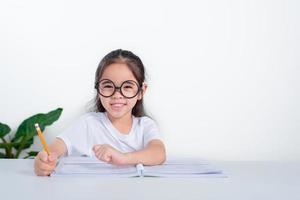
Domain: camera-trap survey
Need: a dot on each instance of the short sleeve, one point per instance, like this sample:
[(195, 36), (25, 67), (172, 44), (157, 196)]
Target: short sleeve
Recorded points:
[(76, 137), (151, 130)]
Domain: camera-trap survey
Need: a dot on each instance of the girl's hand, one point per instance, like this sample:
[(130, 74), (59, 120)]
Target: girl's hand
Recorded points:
[(110, 155), (44, 164)]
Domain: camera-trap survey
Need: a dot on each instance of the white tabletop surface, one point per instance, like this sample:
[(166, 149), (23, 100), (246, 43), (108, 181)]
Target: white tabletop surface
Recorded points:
[(247, 180)]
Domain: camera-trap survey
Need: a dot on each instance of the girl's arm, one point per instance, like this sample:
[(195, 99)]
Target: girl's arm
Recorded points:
[(58, 147), (153, 154), (44, 164)]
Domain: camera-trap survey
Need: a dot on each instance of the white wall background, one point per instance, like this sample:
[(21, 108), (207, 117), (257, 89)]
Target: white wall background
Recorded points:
[(223, 74)]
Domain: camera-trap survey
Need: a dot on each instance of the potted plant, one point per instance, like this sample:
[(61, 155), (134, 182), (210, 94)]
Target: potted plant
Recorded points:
[(14, 144)]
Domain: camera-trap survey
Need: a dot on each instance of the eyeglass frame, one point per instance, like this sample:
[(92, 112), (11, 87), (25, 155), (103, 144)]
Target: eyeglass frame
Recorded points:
[(117, 88)]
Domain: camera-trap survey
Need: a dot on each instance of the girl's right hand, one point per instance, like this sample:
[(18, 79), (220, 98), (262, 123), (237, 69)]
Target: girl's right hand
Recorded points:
[(44, 164)]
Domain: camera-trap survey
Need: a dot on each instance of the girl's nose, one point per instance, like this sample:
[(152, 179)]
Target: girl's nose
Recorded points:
[(117, 94)]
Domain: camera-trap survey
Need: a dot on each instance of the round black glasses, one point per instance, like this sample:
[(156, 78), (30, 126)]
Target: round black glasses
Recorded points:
[(128, 89)]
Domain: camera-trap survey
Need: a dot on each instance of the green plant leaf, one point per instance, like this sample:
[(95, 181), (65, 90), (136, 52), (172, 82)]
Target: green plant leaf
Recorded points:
[(26, 131), (26, 144), (8, 145), (4, 129), (31, 154)]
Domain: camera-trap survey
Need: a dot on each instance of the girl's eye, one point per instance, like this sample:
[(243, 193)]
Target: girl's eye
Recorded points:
[(107, 86), (128, 87)]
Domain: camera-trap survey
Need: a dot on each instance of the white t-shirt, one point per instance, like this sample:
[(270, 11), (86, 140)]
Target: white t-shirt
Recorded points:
[(96, 128)]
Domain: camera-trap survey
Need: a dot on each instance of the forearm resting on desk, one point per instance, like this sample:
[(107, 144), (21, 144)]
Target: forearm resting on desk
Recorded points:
[(153, 154)]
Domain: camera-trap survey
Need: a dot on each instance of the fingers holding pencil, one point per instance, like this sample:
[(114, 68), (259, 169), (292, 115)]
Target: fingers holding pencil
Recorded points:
[(44, 164), (47, 158), (45, 161)]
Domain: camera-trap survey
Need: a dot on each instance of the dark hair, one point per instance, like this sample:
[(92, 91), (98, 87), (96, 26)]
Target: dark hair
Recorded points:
[(134, 64)]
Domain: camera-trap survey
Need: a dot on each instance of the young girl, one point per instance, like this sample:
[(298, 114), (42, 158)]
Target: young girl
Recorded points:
[(118, 132)]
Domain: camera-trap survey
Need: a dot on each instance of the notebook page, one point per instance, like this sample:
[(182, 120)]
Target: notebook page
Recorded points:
[(92, 166), (182, 168)]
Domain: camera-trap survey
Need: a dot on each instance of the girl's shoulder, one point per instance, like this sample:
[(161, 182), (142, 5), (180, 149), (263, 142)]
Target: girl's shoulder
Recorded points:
[(145, 120), (91, 116)]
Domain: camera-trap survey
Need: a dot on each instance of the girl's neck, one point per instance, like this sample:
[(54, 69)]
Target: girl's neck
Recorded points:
[(123, 124)]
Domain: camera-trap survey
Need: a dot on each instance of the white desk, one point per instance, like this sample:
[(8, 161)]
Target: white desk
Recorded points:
[(247, 180)]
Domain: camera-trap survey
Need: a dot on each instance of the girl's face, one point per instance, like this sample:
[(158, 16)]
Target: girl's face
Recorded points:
[(117, 106)]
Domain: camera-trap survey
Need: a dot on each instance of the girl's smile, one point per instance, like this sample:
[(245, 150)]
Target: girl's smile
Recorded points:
[(117, 105)]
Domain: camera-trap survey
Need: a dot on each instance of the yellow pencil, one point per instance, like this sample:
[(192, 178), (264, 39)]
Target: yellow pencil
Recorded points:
[(40, 134)]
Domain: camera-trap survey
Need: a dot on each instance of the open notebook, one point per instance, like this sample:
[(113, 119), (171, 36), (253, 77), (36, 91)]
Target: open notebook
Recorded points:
[(171, 168)]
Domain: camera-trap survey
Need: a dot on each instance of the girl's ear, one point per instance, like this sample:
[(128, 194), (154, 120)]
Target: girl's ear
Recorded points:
[(142, 93)]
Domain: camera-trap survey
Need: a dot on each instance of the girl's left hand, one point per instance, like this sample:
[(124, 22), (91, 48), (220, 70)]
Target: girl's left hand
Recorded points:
[(108, 154)]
